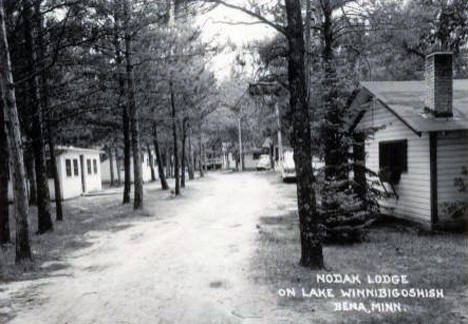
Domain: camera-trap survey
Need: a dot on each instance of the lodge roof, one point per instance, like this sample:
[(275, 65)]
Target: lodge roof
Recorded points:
[(405, 99), (76, 149)]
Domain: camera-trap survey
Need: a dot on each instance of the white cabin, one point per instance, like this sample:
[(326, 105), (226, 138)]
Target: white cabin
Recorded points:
[(421, 140), (79, 171)]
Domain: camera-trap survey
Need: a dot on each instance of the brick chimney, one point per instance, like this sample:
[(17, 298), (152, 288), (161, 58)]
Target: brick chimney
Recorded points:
[(439, 84)]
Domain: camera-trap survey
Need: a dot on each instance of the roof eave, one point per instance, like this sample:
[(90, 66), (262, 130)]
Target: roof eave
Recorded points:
[(401, 118)]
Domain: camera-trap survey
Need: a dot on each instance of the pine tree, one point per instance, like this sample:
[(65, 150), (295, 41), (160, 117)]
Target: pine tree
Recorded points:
[(23, 250)]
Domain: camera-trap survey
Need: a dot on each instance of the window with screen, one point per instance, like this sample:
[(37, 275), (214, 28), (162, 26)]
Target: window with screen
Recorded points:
[(75, 167), (95, 166), (68, 167), (88, 164), (393, 160)]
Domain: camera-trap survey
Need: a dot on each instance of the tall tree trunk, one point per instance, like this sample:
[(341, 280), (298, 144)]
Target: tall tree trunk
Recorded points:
[(127, 152), (205, 159), (123, 107), (151, 163), (307, 45), (111, 165), (4, 177), (31, 176), (159, 160), (191, 158), (174, 136), (168, 161), (23, 249), (44, 86), (200, 160), (184, 139), (43, 195), (133, 112), (117, 164), (57, 184), (311, 246), (334, 158)]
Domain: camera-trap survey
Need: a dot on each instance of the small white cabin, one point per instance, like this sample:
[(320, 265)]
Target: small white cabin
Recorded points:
[(79, 172), (421, 141)]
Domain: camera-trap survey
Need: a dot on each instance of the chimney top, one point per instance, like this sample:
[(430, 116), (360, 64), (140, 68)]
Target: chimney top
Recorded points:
[(439, 84)]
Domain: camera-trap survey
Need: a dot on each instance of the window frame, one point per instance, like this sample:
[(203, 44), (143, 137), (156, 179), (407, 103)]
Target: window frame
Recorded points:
[(388, 151), (76, 168), (95, 166), (68, 168), (89, 167)]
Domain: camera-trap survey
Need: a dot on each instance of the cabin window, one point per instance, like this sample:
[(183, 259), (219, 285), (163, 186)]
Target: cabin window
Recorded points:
[(75, 167), (95, 166), (393, 160), (68, 167), (88, 164), (256, 155)]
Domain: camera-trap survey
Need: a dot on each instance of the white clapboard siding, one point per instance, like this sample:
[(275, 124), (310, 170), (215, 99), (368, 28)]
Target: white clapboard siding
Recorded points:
[(70, 184), (452, 156), (414, 187)]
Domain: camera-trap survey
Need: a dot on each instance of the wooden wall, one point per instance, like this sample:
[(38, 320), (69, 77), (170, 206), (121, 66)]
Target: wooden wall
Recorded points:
[(452, 156), (414, 186)]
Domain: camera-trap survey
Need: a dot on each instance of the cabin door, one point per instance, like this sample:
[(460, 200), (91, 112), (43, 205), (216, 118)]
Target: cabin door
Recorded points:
[(83, 177)]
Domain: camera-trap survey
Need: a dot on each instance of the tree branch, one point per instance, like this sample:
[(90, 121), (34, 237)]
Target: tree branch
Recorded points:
[(262, 19)]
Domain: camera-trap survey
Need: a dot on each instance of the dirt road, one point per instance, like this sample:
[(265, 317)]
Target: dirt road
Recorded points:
[(190, 264)]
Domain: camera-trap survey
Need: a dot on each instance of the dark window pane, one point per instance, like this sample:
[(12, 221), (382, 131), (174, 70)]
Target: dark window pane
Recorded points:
[(95, 166), (88, 164), (393, 160), (75, 167), (68, 167)]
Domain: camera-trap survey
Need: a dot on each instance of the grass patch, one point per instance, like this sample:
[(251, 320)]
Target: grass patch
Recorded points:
[(429, 261)]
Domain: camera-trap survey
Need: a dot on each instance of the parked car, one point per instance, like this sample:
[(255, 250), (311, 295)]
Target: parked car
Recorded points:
[(264, 162), (288, 168)]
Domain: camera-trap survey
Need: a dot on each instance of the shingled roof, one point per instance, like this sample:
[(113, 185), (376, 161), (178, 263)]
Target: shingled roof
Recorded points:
[(405, 99)]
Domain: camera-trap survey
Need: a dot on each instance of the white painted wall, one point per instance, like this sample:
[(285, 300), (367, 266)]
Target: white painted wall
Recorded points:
[(93, 180), (249, 162), (228, 161), (414, 187), (70, 185), (452, 155)]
